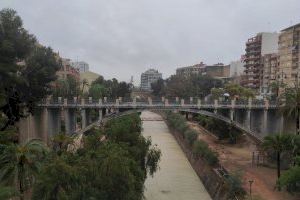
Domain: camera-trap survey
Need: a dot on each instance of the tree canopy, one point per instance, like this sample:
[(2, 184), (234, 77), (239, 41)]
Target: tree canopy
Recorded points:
[(26, 69), (183, 86)]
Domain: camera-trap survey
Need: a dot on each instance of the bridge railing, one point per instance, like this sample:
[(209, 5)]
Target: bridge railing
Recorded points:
[(159, 102)]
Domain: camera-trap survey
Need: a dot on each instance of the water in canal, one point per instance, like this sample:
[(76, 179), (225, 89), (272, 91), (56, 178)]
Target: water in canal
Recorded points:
[(176, 179)]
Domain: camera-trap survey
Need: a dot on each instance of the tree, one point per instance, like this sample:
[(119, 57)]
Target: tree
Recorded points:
[(217, 93), (290, 179), (279, 144), (19, 164), (291, 105), (26, 69), (196, 85), (57, 180), (158, 88), (235, 90)]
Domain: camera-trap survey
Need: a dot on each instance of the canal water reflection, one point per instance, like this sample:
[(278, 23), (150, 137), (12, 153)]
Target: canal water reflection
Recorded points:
[(176, 179)]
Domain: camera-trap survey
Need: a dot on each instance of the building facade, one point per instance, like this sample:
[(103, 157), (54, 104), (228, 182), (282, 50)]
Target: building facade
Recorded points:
[(149, 77), (269, 72), (81, 66), (218, 70), (236, 68), (289, 55), (256, 48), (67, 70), (197, 69)]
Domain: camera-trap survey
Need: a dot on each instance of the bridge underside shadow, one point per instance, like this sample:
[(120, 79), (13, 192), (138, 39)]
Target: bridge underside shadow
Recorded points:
[(49, 121)]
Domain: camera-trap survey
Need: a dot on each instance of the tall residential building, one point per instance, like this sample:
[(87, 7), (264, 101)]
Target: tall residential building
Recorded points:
[(197, 69), (81, 66), (148, 77), (289, 55), (218, 70), (256, 48), (269, 72)]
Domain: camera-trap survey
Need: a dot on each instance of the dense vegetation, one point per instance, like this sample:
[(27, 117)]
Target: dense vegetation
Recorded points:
[(219, 128), (234, 91), (26, 70), (70, 87), (288, 144), (113, 164), (183, 86), (109, 88)]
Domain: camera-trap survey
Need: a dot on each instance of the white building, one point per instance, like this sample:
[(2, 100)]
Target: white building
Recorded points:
[(148, 77), (236, 68), (81, 66)]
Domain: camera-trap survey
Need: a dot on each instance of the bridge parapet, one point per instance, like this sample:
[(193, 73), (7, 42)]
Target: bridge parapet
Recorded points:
[(157, 103)]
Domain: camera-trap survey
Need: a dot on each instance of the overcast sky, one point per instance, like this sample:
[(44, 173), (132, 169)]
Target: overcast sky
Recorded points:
[(120, 38)]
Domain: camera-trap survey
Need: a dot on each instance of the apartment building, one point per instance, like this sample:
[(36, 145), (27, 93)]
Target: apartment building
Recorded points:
[(197, 69), (269, 71), (289, 55), (218, 70), (256, 47), (149, 77)]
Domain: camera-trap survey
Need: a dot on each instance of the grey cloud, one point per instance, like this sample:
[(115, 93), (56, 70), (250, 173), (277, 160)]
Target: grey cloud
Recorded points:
[(120, 38)]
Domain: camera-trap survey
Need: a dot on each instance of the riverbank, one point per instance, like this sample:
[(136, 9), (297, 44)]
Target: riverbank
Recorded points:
[(238, 157)]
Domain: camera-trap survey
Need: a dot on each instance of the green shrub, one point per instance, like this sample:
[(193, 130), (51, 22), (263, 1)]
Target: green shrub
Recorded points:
[(201, 149), (190, 136), (235, 185), (211, 157), (290, 179)]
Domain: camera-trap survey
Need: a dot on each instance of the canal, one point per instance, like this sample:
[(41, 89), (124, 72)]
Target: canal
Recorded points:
[(176, 179)]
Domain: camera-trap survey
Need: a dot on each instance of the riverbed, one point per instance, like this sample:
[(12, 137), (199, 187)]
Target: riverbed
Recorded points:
[(176, 179)]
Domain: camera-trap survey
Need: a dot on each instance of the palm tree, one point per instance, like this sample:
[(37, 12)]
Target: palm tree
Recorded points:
[(19, 164), (279, 144), (57, 180)]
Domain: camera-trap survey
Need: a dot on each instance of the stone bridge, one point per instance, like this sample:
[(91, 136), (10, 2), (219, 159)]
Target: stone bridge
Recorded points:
[(256, 118)]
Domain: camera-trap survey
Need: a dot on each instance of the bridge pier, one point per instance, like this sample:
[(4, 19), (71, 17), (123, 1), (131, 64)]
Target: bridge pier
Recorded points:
[(216, 106), (88, 116), (100, 115), (83, 118), (70, 120), (248, 119), (265, 121), (231, 114)]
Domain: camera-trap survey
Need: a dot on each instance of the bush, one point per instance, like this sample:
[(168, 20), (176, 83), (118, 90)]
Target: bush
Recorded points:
[(290, 179), (211, 157), (234, 185), (201, 149), (190, 136), (219, 128)]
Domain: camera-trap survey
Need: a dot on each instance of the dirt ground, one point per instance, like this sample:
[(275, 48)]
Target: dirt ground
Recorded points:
[(238, 158)]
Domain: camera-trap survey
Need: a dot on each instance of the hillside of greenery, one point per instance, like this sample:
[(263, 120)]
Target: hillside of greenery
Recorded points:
[(112, 165)]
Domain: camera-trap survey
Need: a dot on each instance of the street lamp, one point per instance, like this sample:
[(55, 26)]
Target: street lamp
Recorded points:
[(250, 188)]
